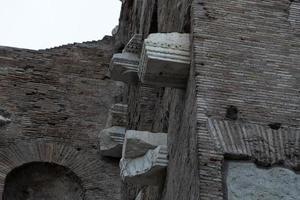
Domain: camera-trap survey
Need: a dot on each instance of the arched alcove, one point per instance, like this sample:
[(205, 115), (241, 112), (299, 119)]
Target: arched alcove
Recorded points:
[(42, 181)]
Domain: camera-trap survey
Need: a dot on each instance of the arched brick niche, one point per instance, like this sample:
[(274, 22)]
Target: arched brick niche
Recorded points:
[(99, 180), (41, 180)]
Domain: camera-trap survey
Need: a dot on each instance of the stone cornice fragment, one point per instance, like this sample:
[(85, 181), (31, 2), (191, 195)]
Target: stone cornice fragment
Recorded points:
[(124, 66), (111, 141), (165, 60)]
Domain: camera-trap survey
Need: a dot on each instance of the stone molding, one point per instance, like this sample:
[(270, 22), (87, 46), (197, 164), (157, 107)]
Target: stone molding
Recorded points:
[(124, 66), (144, 157), (165, 60), (146, 170), (137, 143)]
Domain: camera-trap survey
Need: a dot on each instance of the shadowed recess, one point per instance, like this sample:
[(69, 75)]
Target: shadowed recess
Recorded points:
[(42, 180)]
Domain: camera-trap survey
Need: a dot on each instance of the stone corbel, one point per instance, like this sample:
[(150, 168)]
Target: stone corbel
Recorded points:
[(165, 60), (144, 157), (124, 66)]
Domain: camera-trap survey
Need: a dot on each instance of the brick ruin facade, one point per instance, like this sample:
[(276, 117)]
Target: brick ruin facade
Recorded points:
[(204, 84)]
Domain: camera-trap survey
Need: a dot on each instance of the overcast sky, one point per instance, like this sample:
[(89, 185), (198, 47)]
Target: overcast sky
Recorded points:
[(38, 24)]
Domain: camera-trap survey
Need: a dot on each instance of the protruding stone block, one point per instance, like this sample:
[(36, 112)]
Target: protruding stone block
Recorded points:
[(117, 115), (165, 60), (137, 143), (111, 141), (146, 170), (124, 66)]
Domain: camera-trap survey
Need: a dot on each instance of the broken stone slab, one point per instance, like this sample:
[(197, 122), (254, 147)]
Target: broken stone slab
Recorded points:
[(111, 141), (146, 170), (117, 115), (124, 66), (137, 143), (165, 60)]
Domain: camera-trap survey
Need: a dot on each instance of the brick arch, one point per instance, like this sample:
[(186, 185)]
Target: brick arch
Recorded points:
[(84, 166)]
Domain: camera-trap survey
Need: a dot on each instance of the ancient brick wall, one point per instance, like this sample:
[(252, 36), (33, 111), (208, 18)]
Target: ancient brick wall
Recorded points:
[(57, 102), (245, 69), (247, 58)]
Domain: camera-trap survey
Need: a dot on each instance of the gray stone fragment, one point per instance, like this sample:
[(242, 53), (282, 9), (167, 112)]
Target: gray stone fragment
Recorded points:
[(124, 66), (137, 143), (248, 182), (146, 170), (111, 141), (165, 60)]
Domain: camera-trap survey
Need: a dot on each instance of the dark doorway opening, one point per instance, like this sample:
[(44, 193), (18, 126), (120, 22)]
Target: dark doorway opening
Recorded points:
[(42, 181)]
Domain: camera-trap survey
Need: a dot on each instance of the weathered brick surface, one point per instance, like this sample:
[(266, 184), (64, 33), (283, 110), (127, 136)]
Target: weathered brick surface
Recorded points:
[(247, 56), (165, 109), (59, 97)]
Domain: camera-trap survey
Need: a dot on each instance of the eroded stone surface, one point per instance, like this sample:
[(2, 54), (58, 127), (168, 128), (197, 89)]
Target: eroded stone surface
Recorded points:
[(248, 182), (111, 141), (165, 60), (147, 169), (137, 143)]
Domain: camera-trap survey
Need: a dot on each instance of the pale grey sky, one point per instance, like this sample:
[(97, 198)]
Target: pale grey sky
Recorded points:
[(38, 24)]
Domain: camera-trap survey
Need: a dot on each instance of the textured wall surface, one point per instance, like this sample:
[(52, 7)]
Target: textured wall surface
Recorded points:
[(164, 109), (57, 102), (246, 181), (247, 58)]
